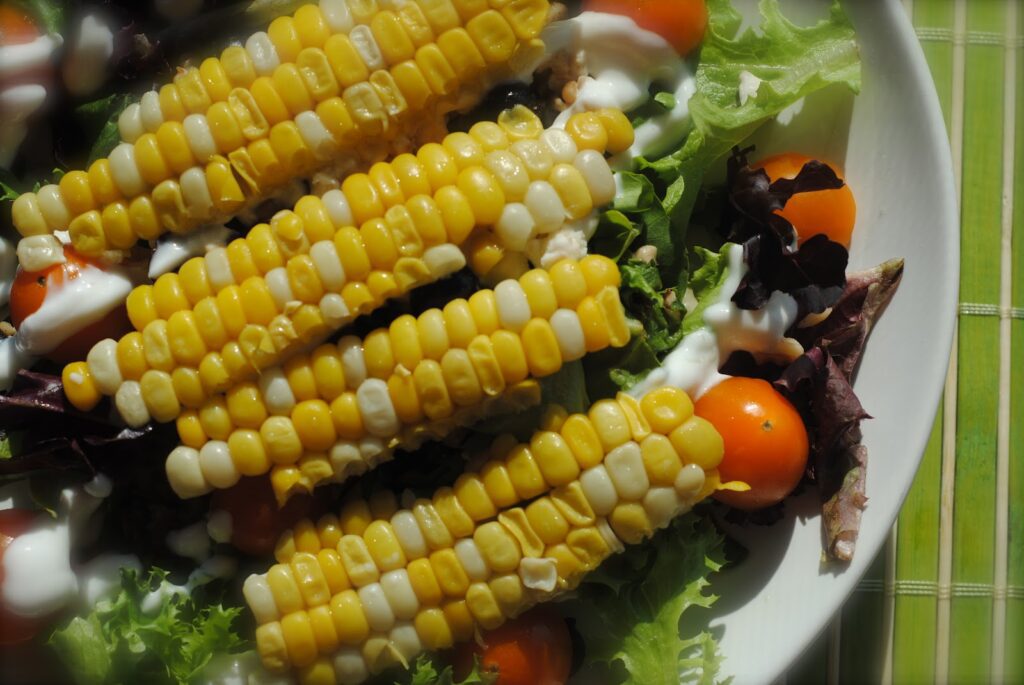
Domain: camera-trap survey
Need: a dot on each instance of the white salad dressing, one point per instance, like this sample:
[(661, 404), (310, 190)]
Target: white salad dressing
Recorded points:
[(173, 250), (215, 568), (65, 311), (8, 269), (85, 68), (693, 365), (191, 541), (19, 100)]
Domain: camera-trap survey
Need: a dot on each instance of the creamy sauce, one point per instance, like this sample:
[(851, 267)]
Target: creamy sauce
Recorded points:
[(173, 250), (622, 62), (240, 669), (18, 102), (65, 311), (694, 364), (38, 578), (8, 269), (85, 68), (214, 568), (570, 241), (192, 542), (100, 577)]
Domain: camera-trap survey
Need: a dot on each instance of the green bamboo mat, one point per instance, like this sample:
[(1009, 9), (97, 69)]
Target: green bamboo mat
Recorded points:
[(944, 600)]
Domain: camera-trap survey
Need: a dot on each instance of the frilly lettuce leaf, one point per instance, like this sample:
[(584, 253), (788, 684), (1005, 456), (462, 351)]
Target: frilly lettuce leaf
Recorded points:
[(706, 284), (628, 611), (426, 671)]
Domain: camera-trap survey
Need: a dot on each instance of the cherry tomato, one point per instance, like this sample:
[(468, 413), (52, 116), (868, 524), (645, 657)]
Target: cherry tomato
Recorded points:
[(30, 289), (533, 649), (680, 22), (765, 440), (256, 520), (15, 629), (16, 27), (832, 212)]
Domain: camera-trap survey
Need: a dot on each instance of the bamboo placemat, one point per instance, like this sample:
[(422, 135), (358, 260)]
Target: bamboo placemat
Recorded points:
[(944, 600)]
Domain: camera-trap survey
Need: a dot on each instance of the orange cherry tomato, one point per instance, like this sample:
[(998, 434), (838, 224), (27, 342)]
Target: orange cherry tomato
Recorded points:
[(765, 440), (832, 212), (256, 520), (680, 22), (14, 629), (30, 289), (16, 27), (532, 649)]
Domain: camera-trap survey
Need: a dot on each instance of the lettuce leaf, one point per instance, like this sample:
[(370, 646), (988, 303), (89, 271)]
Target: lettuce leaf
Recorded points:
[(628, 611), (706, 284), (427, 671), (119, 642)]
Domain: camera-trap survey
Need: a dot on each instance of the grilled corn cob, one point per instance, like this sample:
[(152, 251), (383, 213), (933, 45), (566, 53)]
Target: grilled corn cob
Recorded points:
[(315, 85), (372, 587), (244, 308), (418, 377)]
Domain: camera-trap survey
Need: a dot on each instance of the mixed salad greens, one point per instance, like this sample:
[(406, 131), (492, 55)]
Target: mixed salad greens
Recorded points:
[(633, 620)]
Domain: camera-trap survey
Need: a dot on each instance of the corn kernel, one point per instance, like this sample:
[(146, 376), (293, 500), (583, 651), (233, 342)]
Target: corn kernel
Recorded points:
[(697, 442)]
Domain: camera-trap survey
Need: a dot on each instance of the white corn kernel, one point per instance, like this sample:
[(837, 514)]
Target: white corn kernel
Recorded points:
[(689, 481), (349, 666), (260, 599), (279, 286), (149, 108), (338, 208), (346, 460), (373, 449), (184, 473), (625, 466), (328, 265), (510, 173), (51, 201), (277, 394), (561, 144), (609, 536), (539, 574), (597, 175), (398, 589), (39, 252), (515, 226), (196, 193), (366, 45), (375, 405), (661, 504), (217, 465), (513, 307), (102, 361), (471, 560), (129, 123), (218, 267), (337, 15), (200, 138), (406, 640), (444, 260), (353, 364), (334, 310), (316, 136), (546, 207), (569, 333), (263, 53), (599, 490), (130, 405), (375, 604), (409, 535)]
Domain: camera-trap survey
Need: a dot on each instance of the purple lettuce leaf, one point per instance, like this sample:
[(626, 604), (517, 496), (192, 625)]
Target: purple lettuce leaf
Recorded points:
[(820, 383)]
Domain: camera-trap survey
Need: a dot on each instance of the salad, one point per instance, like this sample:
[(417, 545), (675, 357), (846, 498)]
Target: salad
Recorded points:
[(412, 341)]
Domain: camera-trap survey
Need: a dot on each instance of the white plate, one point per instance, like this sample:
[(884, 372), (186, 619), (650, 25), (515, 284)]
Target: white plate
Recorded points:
[(893, 144)]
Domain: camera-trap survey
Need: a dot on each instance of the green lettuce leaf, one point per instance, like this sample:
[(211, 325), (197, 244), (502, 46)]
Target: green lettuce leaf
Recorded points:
[(706, 284), (118, 642), (629, 610), (426, 671)]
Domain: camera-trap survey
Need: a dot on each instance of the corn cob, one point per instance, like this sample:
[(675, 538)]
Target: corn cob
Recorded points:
[(244, 308), (315, 85), (416, 378), (356, 593)]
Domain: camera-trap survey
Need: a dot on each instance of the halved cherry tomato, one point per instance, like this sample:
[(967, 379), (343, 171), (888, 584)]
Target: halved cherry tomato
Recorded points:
[(15, 629), (532, 649), (832, 212), (765, 440), (30, 289), (680, 22), (256, 521), (16, 27)]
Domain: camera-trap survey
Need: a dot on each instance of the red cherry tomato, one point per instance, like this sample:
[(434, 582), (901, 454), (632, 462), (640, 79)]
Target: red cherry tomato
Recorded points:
[(680, 22), (832, 212), (533, 649), (256, 520), (30, 289), (16, 27), (765, 440), (14, 629)]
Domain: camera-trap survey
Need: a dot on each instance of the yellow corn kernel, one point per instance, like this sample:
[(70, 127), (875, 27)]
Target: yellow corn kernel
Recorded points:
[(311, 26), (169, 204), (170, 103), (291, 87), (77, 194), (271, 646), (402, 391), (484, 194), (285, 589), (432, 390), (378, 353), (190, 430), (131, 356), (380, 245), (572, 503), (589, 546), (150, 162), (383, 546), (354, 260), (631, 523), (579, 433), (354, 517), (451, 513), (224, 189), (569, 283), (328, 372), (101, 181), (618, 129), (572, 189), (267, 168), (248, 452), (344, 59), (460, 377), (224, 127), (546, 521), (290, 148), (524, 473), (332, 568), (498, 547), (556, 460), (285, 37), (498, 485), (214, 374), (587, 131), (493, 36), (184, 339), (596, 329), (281, 440), (424, 582), (461, 53), (348, 420), (450, 575), (191, 90), (215, 419), (156, 346), (431, 525), (238, 66), (404, 232), (310, 579), (611, 306), (245, 405), (459, 620), (639, 428), (541, 347), (436, 69), (433, 629), (141, 306), (697, 442), (143, 219), (515, 522), (395, 44), (349, 618), (321, 671), (359, 565), (267, 102), (486, 366), (666, 408), (412, 84), (661, 462), (508, 349), (608, 419), (87, 233), (405, 341), (314, 424), (366, 107), (483, 606), (484, 309), (117, 227), (540, 292), (80, 387), (169, 296), (599, 272)]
